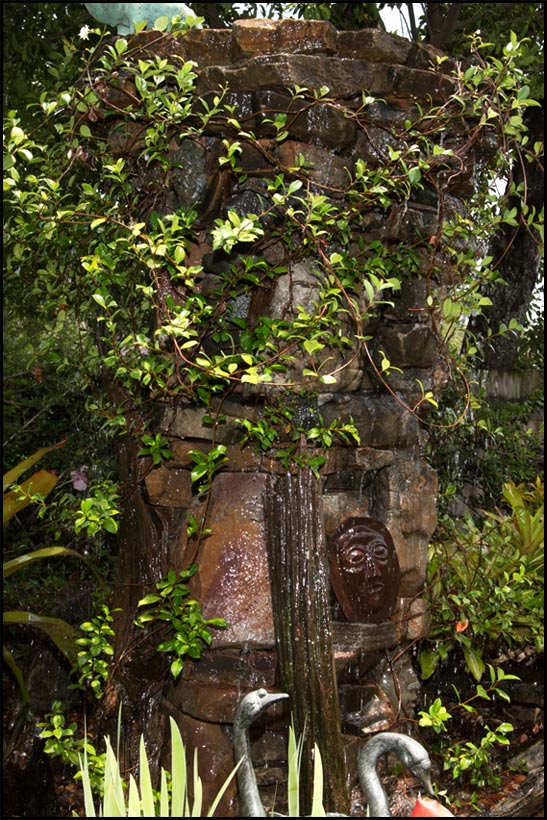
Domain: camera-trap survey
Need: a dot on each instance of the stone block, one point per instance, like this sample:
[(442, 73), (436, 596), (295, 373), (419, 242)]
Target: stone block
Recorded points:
[(233, 576), (325, 126), (373, 45), (169, 487), (188, 422), (409, 345), (412, 619), (246, 670), (380, 420), (326, 168), (208, 46), (344, 78), (256, 37)]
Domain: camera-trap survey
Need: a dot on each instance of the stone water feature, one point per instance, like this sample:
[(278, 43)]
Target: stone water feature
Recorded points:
[(385, 482)]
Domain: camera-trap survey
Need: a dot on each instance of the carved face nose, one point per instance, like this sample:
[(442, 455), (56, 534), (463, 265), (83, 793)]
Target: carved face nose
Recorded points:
[(372, 570)]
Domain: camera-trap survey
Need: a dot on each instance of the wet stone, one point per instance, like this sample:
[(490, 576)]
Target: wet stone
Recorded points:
[(234, 580), (407, 345), (256, 37), (169, 487)]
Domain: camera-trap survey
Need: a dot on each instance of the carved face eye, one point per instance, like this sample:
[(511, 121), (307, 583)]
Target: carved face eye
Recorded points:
[(353, 558), (379, 550), (360, 554)]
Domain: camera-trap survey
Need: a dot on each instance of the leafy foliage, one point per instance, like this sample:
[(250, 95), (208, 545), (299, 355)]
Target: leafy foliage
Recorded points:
[(470, 761), (189, 629), (65, 741), (124, 293), (475, 457), (485, 583), (92, 661), (15, 498), (129, 258)]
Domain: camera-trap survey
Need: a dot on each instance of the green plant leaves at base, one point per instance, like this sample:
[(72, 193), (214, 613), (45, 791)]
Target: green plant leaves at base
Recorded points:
[(141, 800)]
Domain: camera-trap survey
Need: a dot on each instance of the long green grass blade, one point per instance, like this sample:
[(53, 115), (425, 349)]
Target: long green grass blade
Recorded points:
[(37, 555), (317, 808), (164, 796), (222, 789), (147, 793), (198, 789), (179, 787), (293, 785), (86, 783), (134, 802), (114, 800)]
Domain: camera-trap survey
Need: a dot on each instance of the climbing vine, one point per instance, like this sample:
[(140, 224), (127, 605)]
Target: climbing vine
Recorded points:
[(156, 322)]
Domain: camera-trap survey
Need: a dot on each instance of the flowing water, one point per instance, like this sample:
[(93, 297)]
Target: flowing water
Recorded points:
[(300, 598)]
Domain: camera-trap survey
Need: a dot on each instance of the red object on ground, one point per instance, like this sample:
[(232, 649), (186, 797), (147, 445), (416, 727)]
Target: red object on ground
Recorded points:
[(426, 807)]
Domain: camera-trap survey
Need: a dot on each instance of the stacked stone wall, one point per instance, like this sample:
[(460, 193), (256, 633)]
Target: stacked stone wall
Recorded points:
[(387, 477)]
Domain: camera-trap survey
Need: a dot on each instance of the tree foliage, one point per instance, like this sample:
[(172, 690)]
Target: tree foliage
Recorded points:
[(86, 310)]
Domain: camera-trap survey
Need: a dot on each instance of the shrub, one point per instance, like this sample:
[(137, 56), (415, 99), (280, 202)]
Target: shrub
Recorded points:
[(485, 582)]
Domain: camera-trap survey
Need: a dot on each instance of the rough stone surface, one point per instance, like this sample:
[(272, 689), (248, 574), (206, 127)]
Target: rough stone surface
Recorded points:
[(169, 487), (234, 580), (385, 476)]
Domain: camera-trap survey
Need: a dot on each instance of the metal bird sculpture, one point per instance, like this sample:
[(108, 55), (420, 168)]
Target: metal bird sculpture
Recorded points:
[(412, 754), (414, 758)]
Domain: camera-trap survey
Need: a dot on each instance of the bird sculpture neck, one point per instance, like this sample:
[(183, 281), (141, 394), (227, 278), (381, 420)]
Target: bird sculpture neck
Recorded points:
[(250, 804)]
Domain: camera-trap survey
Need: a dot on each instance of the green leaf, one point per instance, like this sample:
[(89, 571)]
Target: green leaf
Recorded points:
[(161, 23), (12, 475), (60, 632), (153, 598), (37, 555), (121, 45), (428, 663), (311, 346), (10, 661), (474, 662)]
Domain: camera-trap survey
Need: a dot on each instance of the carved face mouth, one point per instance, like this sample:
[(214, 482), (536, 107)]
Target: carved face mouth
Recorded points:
[(375, 588)]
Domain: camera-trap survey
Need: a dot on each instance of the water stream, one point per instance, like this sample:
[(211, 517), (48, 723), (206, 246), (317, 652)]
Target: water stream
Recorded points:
[(300, 598)]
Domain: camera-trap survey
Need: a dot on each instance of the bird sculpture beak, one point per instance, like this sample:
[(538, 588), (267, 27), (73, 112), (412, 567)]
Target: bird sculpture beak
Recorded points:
[(273, 697), (424, 777)]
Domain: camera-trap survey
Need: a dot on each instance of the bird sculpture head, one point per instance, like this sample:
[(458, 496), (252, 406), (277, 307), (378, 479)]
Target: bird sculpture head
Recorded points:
[(255, 703), (412, 755), (416, 760)]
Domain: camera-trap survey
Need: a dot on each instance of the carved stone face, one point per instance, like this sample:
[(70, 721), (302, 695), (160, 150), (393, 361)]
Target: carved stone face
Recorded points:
[(364, 570)]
